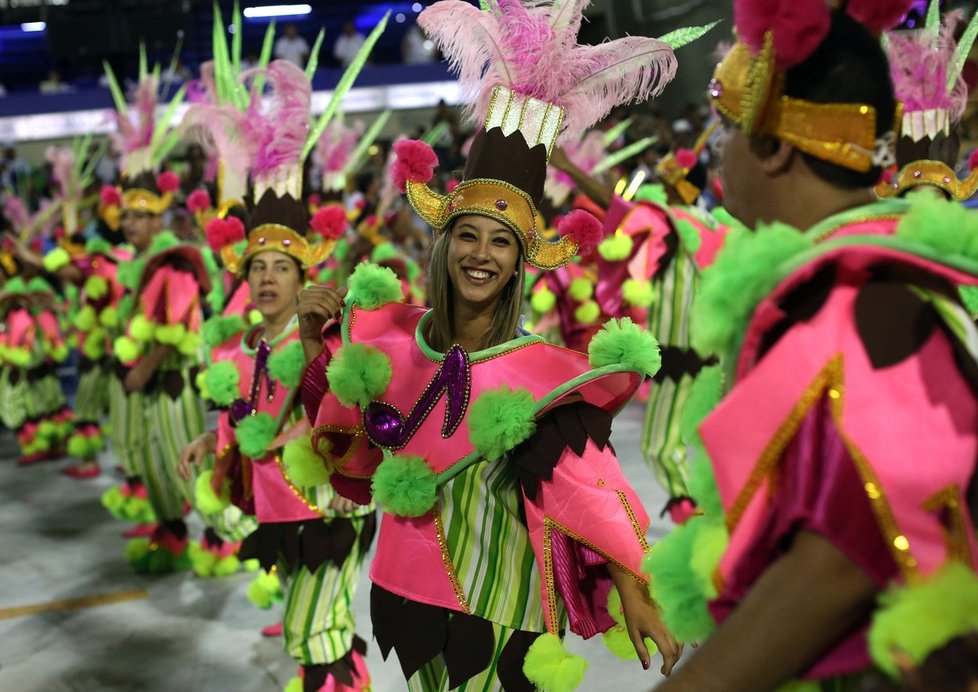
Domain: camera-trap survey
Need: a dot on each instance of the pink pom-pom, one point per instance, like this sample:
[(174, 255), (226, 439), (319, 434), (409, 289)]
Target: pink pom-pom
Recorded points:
[(415, 161), (215, 232), (329, 221), (583, 229), (798, 27), (686, 158), (234, 229), (168, 181), (109, 196), (973, 160), (198, 200), (879, 15)]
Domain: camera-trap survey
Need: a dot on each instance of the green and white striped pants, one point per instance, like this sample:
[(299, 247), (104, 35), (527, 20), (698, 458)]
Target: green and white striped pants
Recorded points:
[(662, 444)]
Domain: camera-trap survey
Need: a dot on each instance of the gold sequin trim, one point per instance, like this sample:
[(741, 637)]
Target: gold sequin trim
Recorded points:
[(446, 560), (956, 531), (295, 490), (632, 518)]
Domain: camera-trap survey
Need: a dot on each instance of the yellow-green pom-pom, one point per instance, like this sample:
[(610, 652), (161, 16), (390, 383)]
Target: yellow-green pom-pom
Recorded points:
[(55, 260), (303, 466), (255, 434), (201, 383), (549, 666), (85, 319), (581, 289), (18, 356), (616, 248), (264, 590), (202, 561), (405, 485), (255, 316), (109, 317), (189, 344), (293, 685), (170, 334), (287, 364), (543, 301), (587, 313), (620, 644), (221, 381), (207, 501), (141, 328), (126, 350), (358, 374), (500, 419), (96, 287), (638, 292), (372, 286), (622, 342)]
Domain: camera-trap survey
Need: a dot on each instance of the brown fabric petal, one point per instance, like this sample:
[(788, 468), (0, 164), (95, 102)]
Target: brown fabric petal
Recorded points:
[(893, 322), (509, 667), (468, 649)]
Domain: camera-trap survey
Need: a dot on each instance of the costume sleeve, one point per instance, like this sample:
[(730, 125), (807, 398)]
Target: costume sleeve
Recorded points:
[(581, 513)]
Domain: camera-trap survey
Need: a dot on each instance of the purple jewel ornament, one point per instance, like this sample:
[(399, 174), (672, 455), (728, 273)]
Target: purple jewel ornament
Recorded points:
[(502, 205), (241, 409), (384, 424)]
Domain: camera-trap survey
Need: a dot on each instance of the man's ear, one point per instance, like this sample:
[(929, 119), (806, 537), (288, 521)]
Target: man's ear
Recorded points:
[(779, 157)]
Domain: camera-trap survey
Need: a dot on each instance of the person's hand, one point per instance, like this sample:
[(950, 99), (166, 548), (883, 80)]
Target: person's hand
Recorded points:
[(317, 305), (137, 378), (342, 504), (193, 454), (642, 620)]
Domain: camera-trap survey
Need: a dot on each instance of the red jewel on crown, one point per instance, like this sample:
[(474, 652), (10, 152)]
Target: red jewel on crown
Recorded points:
[(502, 205)]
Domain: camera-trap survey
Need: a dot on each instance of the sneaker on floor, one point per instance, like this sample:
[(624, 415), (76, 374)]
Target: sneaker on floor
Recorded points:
[(272, 630)]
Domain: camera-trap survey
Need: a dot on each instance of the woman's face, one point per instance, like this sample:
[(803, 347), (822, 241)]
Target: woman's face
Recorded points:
[(482, 259), (139, 227), (275, 283)]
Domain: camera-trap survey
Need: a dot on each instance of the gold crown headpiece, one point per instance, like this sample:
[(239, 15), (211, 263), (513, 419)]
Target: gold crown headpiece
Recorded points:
[(932, 174), (672, 170), (748, 90), (278, 238)]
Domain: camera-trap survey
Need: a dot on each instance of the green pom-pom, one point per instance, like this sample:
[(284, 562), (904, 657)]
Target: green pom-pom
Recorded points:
[(170, 334), (358, 374), (200, 382), (113, 500), (221, 381), (55, 260), (202, 561), (15, 285), (303, 465), (39, 285), (255, 434), (125, 306), (85, 319), (615, 609), (293, 685), (163, 241), (372, 286), (550, 667), (287, 364), (620, 644), (264, 590), (581, 289), (405, 485), (745, 270), (969, 297), (18, 356), (98, 246), (136, 550), (704, 395), (219, 329), (383, 252), (916, 620), (709, 545), (109, 318), (207, 501), (616, 248), (96, 287), (945, 225), (500, 419), (126, 350), (543, 301), (79, 447), (638, 292), (654, 193), (141, 328), (189, 344), (675, 587), (689, 235), (587, 313), (622, 342)]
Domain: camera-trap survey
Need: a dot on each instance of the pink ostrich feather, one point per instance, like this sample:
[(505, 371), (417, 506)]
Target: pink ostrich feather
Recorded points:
[(221, 128), (279, 124), (336, 145), (584, 153), (15, 211), (62, 161), (918, 68), (532, 49), (144, 103)]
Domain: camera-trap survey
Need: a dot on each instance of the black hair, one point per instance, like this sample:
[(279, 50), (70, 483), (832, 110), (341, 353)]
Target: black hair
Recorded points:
[(848, 67)]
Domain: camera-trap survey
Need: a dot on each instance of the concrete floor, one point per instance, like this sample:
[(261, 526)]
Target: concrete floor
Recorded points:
[(189, 634)]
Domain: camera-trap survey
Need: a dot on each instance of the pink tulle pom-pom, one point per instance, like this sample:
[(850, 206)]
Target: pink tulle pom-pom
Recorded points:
[(686, 158), (198, 200), (582, 228), (168, 181), (109, 196), (878, 15), (415, 161), (234, 229), (329, 221), (215, 233), (973, 160), (798, 27)]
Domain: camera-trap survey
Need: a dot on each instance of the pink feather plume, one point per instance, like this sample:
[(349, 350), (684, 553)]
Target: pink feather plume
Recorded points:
[(336, 145), (15, 211), (918, 68), (533, 50), (62, 162), (278, 124), (878, 15)]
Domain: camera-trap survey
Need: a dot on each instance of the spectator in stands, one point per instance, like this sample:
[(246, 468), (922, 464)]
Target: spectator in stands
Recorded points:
[(415, 48), (53, 84), (347, 45), (14, 171), (292, 47)]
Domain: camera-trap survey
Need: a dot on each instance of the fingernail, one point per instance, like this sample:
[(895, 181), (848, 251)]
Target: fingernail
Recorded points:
[(645, 665)]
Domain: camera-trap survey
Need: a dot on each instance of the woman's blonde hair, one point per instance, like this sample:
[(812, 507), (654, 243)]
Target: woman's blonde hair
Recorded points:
[(441, 327)]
